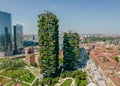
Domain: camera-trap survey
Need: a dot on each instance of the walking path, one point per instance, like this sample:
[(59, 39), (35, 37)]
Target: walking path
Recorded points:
[(63, 80), (5, 77), (21, 77), (2, 70), (36, 77)]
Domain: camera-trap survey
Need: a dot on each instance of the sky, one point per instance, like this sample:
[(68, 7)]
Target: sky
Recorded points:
[(82, 16)]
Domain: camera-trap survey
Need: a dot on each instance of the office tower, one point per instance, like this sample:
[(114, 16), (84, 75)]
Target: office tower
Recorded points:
[(18, 38), (5, 34)]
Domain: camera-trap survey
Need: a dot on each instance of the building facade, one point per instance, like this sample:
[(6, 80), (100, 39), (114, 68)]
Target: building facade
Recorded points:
[(5, 34), (18, 38)]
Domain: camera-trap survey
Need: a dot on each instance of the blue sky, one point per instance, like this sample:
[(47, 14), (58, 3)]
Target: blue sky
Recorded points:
[(82, 16)]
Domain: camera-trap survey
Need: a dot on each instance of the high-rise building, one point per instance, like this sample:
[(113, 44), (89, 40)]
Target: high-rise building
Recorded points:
[(18, 38), (5, 34)]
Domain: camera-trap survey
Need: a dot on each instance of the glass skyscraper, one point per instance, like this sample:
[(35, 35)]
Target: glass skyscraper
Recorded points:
[(5, 34), (18, 38)]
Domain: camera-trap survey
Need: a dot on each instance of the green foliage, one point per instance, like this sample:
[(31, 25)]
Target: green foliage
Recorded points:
[(71, 50), (12, 64), (66, 74), (116, 58), (34, 64), (109, 48), (60, 60), (79, 76), (48, 42)]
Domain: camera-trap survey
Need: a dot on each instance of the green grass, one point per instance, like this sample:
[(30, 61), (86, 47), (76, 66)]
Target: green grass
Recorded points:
[(1, 68), (15, 73), (23, 84), (2, 58), (67, 82), (21, 74), (28, 78)]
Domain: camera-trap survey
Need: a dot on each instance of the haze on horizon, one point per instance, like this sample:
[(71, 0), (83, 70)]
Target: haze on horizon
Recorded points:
[(83, 16)]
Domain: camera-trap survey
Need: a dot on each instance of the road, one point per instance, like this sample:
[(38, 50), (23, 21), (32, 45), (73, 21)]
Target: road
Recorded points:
[(96, 74)]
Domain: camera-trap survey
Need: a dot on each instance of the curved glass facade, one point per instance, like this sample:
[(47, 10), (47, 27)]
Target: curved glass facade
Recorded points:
[(5, 32)]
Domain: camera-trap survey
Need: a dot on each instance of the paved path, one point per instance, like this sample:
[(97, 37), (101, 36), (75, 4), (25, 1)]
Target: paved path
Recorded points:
[(61, 81), (21, 77), (25, 82), (5, 77), (36, 77), (8, 83)]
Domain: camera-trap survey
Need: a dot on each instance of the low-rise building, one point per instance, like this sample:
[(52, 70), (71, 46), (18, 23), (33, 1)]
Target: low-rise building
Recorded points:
[(107, 65)]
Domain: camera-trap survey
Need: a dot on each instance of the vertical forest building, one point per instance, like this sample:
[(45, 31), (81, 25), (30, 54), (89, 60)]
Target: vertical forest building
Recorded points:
[(71, 50), (49, 43)]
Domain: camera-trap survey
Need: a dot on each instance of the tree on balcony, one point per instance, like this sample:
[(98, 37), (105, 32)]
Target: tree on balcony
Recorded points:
[(71, 50), (48, 42)]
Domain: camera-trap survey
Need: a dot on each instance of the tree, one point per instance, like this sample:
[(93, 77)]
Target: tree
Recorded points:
[(71, 50), (12, 64), (116, 59), (48, 42)]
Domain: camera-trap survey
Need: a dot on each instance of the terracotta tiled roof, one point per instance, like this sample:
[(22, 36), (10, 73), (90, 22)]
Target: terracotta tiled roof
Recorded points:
[(104, 59)]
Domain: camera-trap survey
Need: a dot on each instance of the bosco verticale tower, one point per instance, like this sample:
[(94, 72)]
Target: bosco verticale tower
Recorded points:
[(49, 43)]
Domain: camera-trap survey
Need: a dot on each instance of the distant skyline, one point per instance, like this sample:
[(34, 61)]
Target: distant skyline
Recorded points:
[(82, 16)]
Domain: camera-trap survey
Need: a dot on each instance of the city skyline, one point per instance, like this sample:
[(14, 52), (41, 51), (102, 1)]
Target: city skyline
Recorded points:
[(80, 16)]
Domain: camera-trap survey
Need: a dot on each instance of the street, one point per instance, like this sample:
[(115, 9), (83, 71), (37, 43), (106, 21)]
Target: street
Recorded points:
[(97, 78)]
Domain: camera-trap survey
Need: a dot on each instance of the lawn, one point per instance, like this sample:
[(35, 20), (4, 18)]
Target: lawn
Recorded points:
[(4, 80), (2, 59), (67, 82), (28, 78), (15, 73), (1, 68), (23, 84), (21, 74)]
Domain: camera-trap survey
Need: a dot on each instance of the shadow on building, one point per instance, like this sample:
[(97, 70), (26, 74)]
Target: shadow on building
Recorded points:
[(84, 56)]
